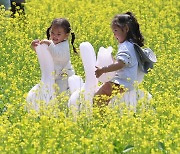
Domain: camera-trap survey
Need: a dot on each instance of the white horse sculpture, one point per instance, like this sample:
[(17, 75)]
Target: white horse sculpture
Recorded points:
[(43, 91), (88, 88)]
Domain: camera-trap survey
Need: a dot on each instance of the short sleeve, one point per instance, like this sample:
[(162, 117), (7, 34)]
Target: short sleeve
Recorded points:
[(124, 56)]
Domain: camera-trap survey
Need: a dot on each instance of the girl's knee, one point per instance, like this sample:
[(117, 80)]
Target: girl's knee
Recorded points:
[(106, 89)]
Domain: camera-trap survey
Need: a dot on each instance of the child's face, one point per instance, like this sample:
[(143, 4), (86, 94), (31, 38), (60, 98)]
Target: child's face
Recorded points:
[(120, 33), (57, 34)]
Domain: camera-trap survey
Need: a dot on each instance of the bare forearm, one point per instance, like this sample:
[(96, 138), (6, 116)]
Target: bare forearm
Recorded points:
[(113, 67)]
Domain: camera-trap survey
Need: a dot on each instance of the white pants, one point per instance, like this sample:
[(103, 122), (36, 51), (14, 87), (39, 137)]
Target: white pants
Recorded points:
[(62, 84)]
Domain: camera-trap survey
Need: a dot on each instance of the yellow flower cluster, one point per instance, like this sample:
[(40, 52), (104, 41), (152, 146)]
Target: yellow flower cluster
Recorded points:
[(154, 128)]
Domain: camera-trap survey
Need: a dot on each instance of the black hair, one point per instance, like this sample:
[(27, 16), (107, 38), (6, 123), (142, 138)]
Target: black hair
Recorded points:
[(134, 34), (64, 23), (48, 33)]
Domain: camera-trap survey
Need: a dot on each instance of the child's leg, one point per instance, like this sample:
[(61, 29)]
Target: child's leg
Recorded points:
[(105, 89), (102, 96)]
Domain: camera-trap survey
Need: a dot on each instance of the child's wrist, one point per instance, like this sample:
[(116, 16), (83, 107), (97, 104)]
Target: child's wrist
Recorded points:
[(105, 69)]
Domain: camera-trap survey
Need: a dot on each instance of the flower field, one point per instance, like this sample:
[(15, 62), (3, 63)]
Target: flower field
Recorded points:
[(154, 128)]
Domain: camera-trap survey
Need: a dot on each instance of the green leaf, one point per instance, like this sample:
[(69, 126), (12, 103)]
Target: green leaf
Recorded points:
[(128, 148), (161, 146)]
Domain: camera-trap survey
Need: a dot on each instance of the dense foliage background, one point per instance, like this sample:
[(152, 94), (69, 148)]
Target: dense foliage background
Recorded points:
[(155, 126)]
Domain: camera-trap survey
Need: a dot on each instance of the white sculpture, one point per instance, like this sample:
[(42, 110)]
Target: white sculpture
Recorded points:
[(43, 91), (104, 58), (89, 88)]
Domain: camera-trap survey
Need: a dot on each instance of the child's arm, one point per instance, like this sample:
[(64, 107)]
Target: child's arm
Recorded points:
[(113, 58), (111, 68), (48, 42)]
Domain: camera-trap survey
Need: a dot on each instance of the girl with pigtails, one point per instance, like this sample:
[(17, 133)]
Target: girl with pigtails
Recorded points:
[(58, 46), (127, 32)]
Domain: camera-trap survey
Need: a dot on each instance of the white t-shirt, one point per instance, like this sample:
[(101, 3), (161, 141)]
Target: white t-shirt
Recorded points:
[(128, 74), (61, 57)]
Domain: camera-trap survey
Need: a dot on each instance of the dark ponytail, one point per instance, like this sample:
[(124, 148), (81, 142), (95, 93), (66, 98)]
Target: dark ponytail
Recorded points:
[(72, 41), (134, 34), (48, 33)]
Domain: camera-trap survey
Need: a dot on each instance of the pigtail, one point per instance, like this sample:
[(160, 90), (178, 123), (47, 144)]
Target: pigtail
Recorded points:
[(48, 33), (135, 33), (72, 41)]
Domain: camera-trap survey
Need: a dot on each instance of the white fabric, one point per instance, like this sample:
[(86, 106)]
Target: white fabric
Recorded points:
[(140, 75), (44, 90), (63, 69), (131, 98), (127, 75)]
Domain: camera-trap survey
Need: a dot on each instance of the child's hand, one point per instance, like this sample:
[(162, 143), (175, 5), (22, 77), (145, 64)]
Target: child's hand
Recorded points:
[(45, 42), (99, 71), (34, 44)]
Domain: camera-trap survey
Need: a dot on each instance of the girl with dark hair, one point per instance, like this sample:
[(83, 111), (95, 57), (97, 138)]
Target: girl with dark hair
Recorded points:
[(126, 30), (58, 46)]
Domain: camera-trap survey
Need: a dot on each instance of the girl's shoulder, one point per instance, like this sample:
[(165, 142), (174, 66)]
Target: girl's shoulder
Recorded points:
[(63, 44), (128, 43), (125, 46)]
